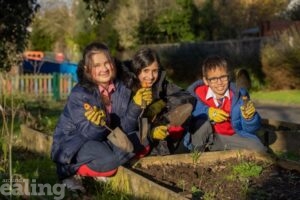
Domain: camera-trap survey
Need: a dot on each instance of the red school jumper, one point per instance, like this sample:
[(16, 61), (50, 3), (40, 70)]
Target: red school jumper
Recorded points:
[(223, 128)]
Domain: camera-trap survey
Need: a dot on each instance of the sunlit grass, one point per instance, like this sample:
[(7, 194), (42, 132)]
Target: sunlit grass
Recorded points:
[(288, 97)]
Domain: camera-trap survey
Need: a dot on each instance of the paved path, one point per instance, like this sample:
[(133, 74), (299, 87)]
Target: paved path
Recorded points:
[(279, 112)]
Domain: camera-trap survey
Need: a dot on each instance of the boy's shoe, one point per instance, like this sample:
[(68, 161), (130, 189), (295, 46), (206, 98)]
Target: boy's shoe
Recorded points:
[(74, 183), (180, 114)]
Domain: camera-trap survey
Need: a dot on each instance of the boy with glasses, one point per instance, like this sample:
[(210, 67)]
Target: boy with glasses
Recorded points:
[(223, 118)]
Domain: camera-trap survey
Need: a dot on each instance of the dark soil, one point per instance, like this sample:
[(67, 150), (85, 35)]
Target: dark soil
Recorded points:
[(218, 181)]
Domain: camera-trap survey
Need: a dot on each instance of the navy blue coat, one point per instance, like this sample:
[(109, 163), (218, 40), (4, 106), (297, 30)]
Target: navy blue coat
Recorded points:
[(73, 129)]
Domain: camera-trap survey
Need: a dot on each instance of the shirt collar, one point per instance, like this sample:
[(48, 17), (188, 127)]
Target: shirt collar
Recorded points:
[(111, 88), (211, 94)]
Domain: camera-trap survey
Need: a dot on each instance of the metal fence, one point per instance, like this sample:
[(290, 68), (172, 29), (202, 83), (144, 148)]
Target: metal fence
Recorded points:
[(41, 86)]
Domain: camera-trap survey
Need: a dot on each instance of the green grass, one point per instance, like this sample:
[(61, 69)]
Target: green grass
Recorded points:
[(40, 170), (288, 155), (288, 97)]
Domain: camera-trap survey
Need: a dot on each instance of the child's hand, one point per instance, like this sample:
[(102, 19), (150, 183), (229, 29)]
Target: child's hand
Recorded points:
[(248, 110), (159, 132), (155, 108), (143, 95), (217, 115), (95, 115)]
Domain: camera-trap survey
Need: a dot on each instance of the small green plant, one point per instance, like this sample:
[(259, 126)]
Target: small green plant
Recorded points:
[(247, 170), (196, 192), (196, 155), (245, 187), (181, 184), (209, 196)]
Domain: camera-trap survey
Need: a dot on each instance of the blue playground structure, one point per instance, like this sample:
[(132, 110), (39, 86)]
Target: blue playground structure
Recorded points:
[(49, 67)]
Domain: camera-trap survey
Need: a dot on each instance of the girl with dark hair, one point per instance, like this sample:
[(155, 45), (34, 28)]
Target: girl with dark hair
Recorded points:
[(99, 105), (171, 106)]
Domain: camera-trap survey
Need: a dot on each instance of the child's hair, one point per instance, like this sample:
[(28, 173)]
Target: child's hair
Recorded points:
[(143, 58), (212, 63), (86, 63)]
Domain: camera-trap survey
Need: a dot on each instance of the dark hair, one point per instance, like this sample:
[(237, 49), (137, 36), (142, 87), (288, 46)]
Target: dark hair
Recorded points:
[(212, 63), (143, 58), (86, 63), (140, 60)]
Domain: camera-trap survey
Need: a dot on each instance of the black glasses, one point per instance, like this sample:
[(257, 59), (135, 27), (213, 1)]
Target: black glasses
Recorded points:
[(221, 78)]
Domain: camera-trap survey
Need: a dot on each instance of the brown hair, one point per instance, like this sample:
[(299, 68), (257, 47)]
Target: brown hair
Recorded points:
[(212, 63), (86, 63)]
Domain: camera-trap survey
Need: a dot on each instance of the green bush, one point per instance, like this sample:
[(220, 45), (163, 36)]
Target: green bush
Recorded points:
[(281, 61)]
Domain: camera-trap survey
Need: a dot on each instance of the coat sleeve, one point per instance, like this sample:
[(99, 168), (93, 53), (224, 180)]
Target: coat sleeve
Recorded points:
[(73, 129), (129, 122), (125, 111), (200, 109), (175, 95), (74, 112)]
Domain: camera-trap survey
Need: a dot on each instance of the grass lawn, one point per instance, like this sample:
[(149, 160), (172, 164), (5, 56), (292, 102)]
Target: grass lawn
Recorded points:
[(287, 97)]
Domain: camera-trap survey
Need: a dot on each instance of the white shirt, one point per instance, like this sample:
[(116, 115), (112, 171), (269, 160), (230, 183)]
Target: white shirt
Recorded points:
[(211, 94)]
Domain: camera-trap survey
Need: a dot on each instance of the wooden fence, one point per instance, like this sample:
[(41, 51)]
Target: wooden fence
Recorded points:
[(42, 86)]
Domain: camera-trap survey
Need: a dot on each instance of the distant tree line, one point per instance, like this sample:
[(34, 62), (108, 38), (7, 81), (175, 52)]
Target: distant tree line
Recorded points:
[(67, 26)]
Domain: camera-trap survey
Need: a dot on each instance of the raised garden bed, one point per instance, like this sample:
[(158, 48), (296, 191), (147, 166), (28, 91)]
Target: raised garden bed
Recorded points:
[(223, 175)]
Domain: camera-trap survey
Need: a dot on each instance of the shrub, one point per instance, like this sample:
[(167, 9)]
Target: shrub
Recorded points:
[(281, 61)]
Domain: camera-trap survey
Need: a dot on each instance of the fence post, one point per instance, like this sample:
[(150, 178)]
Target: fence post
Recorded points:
[(55, 86)]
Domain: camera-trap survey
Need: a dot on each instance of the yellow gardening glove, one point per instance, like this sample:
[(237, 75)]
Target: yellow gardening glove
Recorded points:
[(159, 132), (155, 108), (143, 97), (217, 115), (248, 110), (95, 115)]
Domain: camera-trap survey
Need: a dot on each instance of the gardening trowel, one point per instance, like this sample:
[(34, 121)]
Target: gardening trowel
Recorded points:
[(242, 79), (116, 136), (120, 139), (179, 114)]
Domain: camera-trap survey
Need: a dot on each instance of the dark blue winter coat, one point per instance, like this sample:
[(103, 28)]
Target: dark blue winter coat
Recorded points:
[(73, 129)]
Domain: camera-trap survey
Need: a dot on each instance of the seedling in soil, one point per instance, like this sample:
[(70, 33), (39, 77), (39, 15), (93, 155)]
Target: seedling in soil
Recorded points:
[(196, 192), (209, 196), (195, 156), (247, 170), (182, 183)]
